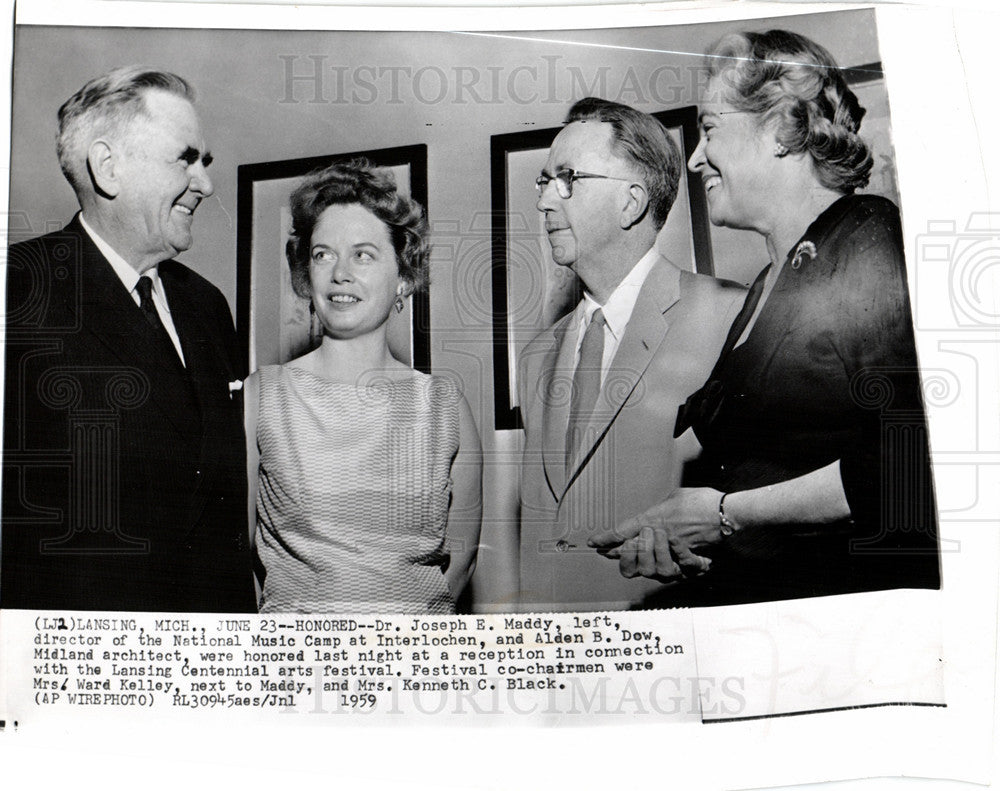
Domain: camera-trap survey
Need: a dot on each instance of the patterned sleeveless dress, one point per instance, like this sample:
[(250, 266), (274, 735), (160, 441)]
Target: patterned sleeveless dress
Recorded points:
[(353, 492)]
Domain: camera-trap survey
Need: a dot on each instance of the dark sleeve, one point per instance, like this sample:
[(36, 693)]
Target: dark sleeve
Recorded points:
[(22, 583), (224, 553), (230, 340), (877, 329), (886, 472)]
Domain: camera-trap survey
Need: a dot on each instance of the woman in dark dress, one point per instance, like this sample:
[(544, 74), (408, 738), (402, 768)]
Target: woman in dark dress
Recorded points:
[(815, 476)]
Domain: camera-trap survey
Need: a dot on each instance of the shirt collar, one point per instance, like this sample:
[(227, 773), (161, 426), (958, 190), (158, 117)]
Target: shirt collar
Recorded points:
[(618, 309), (126, 273)]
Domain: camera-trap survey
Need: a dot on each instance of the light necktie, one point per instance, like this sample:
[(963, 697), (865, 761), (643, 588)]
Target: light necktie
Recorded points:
[(586, 383)]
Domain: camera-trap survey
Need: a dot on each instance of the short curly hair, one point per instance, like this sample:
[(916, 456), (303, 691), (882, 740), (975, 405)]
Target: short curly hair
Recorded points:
[(358, 182), (790, 80)]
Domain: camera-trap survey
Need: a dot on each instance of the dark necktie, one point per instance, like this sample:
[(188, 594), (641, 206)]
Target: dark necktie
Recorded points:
[(586, 383), (145, 290), (703, 404)]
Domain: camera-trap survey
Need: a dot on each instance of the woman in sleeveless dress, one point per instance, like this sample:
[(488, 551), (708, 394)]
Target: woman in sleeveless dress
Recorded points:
[(365, 474)]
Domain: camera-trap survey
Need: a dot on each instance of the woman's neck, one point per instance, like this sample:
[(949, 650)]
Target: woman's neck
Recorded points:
[(798, 209), (352, 359)]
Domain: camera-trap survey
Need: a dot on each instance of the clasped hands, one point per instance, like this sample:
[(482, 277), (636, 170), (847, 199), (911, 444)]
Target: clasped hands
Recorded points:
[(663, 542)]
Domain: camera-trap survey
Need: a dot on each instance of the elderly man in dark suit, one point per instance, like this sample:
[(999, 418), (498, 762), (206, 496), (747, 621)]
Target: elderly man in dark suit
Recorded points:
[(124, 465), (600, 389)]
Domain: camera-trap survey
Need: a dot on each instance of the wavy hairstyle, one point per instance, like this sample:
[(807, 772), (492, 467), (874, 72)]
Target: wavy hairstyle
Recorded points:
[(357, 181), (787, 79), (108, 103)]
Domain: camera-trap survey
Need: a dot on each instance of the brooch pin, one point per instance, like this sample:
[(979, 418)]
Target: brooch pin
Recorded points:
[(805, 250)]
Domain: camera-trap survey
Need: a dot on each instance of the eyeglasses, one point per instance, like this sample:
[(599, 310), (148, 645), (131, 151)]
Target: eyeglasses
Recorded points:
[(564, 180)]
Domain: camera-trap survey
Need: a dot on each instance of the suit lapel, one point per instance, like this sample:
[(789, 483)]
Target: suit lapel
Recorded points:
[(110, 314), (200, 354), (555, 387), (645, 332)]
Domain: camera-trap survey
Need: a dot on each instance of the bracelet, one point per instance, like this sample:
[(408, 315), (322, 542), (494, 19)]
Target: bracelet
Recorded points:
[(726, 525)]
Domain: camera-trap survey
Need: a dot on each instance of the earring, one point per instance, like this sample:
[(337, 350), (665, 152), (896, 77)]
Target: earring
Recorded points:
[(398, 304), (780, 149)]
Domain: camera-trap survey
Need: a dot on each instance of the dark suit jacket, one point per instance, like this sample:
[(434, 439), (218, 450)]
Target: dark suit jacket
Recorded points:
[(629, 460), (124, 484)]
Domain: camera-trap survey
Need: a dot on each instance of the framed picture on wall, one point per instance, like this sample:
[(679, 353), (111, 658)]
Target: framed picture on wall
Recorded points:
[(274, 324), (531, 291)]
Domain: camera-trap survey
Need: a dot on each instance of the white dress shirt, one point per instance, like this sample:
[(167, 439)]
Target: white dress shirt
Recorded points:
[(130, 279), (617, 311)]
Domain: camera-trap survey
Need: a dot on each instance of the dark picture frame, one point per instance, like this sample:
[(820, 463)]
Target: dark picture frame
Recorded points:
[(275, 334), (518, 260)]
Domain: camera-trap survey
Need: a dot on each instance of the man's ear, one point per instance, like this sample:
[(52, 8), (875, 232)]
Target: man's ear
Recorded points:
[(635, 208), (102, 166)]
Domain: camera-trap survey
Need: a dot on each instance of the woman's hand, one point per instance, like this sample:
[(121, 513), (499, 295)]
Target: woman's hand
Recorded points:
[(662, 542)]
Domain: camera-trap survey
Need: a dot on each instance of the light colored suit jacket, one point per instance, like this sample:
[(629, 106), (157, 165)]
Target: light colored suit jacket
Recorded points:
[(628, 460)]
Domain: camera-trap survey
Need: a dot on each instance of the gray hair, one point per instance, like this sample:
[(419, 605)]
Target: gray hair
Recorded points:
[(642, 140), (108, 103)]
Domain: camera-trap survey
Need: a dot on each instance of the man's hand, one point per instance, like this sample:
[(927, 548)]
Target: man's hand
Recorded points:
[(662, 542)]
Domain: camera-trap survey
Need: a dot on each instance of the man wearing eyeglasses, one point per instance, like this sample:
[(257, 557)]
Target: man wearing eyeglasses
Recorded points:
[(599, 390)]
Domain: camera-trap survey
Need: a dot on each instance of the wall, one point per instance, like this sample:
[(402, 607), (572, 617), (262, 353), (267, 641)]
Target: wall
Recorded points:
[(450, 91)]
